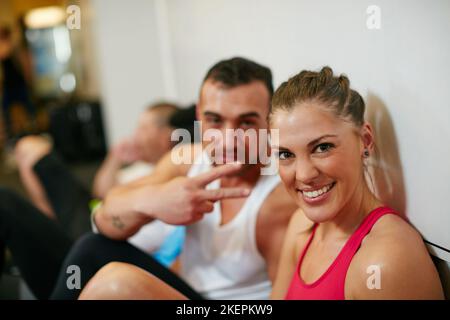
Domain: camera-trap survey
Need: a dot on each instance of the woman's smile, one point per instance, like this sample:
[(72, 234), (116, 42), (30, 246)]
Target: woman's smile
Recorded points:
[(317, 195)]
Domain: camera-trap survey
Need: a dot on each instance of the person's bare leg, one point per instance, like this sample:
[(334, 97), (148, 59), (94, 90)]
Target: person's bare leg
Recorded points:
[(122, 281), (28, 151)]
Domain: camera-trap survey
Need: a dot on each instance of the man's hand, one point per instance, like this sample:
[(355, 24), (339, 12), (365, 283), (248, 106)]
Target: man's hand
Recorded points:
[(166, 195), (126, 151), (186, 200)]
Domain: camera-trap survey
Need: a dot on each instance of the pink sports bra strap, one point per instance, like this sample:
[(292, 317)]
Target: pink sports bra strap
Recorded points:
[(358, 236)]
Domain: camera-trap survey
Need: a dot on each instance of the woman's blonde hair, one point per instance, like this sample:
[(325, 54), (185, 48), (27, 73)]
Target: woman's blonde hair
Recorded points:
[(332, 91)]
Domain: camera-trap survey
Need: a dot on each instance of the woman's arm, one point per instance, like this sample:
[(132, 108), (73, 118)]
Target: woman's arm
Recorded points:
[(393, 263), (295, 236)]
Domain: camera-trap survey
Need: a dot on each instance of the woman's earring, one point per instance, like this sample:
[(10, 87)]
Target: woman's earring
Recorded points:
[(366, 153)]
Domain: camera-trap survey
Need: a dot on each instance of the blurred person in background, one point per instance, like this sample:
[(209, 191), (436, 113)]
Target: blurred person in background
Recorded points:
[(39, 234), (16, 75), (130, 159)]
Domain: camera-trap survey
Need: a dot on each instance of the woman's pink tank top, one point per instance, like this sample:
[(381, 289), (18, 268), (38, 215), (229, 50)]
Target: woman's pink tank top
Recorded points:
[(330, 286)]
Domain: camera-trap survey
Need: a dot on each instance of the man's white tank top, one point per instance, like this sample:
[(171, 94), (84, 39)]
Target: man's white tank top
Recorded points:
[(223, 262)]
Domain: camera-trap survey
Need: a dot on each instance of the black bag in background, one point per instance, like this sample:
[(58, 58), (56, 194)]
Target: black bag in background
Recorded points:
[(78, 132)]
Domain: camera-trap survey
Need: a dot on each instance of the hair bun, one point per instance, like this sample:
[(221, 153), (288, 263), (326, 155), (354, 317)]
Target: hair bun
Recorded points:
[(323, 86)]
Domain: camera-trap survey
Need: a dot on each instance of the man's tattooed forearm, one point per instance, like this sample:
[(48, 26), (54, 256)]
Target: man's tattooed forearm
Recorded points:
[(118, 223)]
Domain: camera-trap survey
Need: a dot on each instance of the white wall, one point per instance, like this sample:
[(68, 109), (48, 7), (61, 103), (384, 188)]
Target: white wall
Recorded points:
[(126, 39)]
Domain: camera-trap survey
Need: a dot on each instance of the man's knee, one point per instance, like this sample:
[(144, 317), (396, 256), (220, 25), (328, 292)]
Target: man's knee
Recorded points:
[(113, 281), (124, 281), (116, 270)]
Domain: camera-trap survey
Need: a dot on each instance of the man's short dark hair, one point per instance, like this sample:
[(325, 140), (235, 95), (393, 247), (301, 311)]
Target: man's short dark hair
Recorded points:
[(238, 71)]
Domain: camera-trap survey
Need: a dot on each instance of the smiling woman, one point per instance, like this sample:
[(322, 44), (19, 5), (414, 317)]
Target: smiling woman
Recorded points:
[(342, 231)]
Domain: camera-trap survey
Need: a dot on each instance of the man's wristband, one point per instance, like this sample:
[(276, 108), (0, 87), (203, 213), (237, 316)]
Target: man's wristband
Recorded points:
[(94, 205)]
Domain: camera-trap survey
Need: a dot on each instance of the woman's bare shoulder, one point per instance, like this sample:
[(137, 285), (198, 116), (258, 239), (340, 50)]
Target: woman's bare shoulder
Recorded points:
[(393, 263)]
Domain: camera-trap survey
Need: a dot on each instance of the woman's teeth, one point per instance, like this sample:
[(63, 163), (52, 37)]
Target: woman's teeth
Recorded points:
[(319, 192)]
